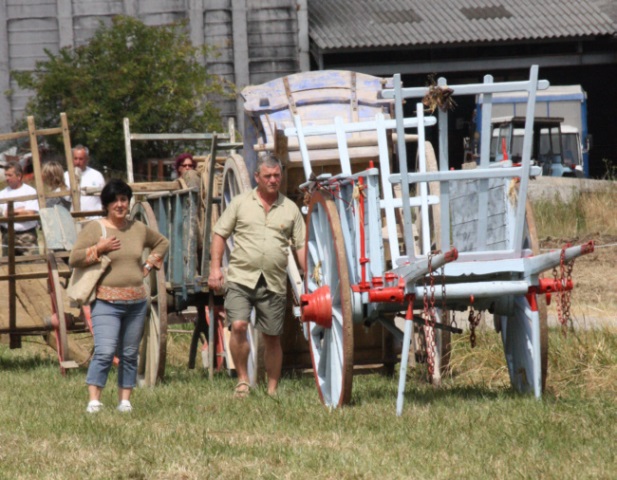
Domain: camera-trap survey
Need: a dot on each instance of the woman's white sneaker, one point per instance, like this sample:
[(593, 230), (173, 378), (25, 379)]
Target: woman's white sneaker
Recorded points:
[(125, 406), (94, 406)]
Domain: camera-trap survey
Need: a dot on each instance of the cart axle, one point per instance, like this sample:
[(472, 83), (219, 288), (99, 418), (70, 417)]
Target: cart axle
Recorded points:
[(317, 307)]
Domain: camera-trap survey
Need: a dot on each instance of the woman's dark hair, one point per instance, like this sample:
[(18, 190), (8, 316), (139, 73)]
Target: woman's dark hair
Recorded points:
[(181, 158), (112, 189)]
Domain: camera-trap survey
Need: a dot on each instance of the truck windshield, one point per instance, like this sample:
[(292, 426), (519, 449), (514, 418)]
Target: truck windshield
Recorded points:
[(502, 137), (550, 147), (571, 149), (546, 147)]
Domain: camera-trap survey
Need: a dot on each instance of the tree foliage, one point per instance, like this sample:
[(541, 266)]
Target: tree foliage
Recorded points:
[(152, 75)]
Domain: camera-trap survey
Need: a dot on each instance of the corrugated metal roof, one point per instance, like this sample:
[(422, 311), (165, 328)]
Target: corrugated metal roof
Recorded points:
[(342, 24)]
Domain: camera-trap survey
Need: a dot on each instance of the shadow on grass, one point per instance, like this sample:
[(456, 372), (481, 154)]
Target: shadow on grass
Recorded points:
[(464, 392), (17, 363), (184, 375), (423, 393)]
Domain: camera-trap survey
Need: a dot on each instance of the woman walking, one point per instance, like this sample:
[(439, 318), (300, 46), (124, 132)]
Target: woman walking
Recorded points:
[(118, 312)]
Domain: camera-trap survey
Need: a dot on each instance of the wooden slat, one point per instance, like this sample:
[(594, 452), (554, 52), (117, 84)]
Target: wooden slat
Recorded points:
[(48, 131), (32, 300), (12, 135), (176, 136), (155, 186)]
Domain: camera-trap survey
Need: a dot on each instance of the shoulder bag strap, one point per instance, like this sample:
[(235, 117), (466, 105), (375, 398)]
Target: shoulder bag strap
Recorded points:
[(103, 229)]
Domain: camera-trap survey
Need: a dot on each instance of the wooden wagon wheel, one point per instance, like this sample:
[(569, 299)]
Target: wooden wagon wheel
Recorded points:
[(153, 348), (516, 329), (223, 356), (442, 337), (201, 329), (58, 319), (201, 334), (236, 180), (220, 357), (331, 346), (204, 171)]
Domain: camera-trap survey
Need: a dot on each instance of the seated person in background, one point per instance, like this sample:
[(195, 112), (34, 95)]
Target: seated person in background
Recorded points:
[(53, 178), (186, 170), (27, 168), (26, 241), (87, 177), (183, 163)]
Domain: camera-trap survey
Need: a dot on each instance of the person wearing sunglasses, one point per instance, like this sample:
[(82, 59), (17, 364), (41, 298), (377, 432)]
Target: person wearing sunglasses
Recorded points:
[(183, 163)]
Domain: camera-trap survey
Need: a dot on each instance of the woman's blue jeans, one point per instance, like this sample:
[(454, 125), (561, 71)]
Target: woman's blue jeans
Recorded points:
[(118, 327)]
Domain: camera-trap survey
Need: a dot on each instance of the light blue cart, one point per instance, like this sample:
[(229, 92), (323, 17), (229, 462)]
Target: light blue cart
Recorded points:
[(483, 226), (183, 210)]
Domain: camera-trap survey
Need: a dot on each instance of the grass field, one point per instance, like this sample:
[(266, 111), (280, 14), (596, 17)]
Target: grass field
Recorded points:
[(475, 426)]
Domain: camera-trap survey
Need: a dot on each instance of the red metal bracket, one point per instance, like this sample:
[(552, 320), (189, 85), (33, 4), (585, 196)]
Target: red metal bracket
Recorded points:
[(378, 293), (550, 285), (587, 247), (317, 307), (451, 255)]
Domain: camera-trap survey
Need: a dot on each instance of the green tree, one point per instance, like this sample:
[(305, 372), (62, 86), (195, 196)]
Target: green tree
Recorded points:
[(151, 75)]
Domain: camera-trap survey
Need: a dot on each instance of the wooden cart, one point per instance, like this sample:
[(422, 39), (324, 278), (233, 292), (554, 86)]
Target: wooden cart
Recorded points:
[(183, 210), (32, 299)]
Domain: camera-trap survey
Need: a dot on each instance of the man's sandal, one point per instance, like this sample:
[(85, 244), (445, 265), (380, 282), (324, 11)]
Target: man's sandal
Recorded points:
[(242, 390)]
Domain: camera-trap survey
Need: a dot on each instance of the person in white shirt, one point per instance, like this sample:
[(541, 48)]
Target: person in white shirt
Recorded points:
[(26, 240), (87, 177)]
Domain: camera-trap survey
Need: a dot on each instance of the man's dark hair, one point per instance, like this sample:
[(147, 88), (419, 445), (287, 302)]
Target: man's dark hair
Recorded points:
[(112, 189), (16, 167)]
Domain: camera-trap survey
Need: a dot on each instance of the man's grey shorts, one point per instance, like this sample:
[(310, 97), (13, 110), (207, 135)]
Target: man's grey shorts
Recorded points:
[(269, 306)]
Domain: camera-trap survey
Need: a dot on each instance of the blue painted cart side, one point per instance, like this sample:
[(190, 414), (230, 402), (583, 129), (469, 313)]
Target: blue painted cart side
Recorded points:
[(182, 211), (176, 215)]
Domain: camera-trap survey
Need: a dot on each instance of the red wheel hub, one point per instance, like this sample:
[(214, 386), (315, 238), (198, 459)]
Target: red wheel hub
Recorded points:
[(317, 307)]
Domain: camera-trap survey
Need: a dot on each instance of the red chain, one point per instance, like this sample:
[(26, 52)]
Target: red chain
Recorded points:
[(444, 313), (429, 318), (563, 295), (474, 321)]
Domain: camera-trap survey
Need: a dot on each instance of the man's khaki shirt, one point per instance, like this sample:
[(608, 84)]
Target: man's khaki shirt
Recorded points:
[(261, 241)]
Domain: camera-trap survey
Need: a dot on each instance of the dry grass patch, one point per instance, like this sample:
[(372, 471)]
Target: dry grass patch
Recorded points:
[(587, 216)]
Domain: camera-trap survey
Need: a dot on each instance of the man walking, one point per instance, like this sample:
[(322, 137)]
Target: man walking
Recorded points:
[(26, 241), (264, 224)]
